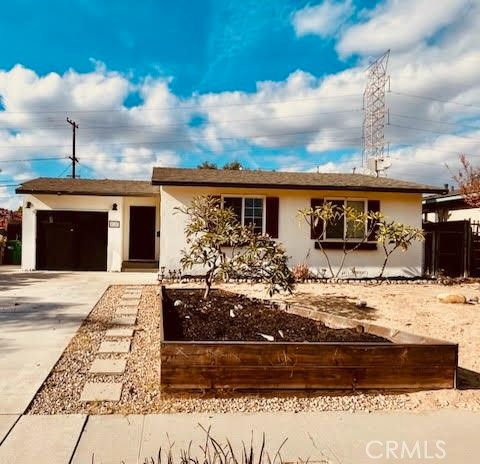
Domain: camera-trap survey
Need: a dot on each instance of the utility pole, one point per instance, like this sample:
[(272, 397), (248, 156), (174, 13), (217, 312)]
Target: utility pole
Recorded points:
[(73, 157)]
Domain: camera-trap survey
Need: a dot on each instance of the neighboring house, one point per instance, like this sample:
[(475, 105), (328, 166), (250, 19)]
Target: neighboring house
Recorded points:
[(449, 206), (106, 219), (452, 228)]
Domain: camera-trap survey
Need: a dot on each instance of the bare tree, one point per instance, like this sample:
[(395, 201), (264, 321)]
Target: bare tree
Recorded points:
[(468, 179)]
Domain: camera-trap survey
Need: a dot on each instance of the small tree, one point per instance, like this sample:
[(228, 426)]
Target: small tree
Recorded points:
[(233, 166), (211, 231), (360, 228), (207, 165), (393, 236), (265, 260), (468, 179)]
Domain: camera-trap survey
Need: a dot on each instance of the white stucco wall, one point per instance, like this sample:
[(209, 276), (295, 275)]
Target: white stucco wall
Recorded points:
[(472, 214), (117, 250), (295, 235)]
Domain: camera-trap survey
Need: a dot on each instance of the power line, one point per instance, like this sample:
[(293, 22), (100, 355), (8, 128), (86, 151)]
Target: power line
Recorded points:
[(28, 160), (64, 171), (183, 107), (185, 124), (436, 121), (191, 140), (424, 97), (433, 131)]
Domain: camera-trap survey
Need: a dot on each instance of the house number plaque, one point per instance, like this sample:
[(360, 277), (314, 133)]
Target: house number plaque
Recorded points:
[(114, 224)]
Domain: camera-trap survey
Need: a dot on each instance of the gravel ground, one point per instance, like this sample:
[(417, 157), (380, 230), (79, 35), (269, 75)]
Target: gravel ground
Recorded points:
[(61, 391), (141, 393)]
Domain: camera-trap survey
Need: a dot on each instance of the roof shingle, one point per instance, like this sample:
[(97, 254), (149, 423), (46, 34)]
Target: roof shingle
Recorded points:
[(98, 187), (285, 180)]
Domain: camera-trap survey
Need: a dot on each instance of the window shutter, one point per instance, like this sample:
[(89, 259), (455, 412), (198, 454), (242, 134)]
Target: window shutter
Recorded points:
[(373, 206), (271, 216), (316, 231)]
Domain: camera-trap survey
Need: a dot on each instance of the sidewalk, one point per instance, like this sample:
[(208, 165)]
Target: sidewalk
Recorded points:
[(337, 438), (39, 314)]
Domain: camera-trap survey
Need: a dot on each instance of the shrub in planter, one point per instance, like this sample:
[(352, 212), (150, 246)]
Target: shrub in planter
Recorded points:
[(225, 248)]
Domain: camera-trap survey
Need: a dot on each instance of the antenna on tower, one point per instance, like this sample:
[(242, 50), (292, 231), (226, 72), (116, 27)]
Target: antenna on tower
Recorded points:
[(374, 160)]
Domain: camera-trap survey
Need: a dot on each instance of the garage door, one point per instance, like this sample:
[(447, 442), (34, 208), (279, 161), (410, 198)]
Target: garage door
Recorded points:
[(72, 240)]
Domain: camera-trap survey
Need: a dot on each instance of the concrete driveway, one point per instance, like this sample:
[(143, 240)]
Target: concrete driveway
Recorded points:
[(39, 314)]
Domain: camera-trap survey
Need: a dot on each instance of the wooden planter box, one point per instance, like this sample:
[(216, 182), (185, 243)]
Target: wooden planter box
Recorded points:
[(410, 362)]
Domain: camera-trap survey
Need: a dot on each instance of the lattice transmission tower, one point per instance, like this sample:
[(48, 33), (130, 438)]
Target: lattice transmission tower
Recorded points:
[(374, 160)]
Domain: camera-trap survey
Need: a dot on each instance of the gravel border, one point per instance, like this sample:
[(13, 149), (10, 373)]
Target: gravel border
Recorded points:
[(141, 393)]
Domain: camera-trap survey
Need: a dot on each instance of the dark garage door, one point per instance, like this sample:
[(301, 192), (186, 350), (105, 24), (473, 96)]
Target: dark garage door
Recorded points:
[(72, 240)]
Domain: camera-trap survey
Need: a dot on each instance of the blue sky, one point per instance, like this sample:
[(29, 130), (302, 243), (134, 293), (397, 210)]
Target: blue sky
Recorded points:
[(277, 85), (207, 46)]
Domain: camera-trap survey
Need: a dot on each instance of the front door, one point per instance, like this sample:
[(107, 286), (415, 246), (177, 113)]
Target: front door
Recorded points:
[(142, 232)]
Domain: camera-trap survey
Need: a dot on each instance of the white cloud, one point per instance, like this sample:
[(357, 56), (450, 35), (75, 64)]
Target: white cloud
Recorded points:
[(112, 139), (399, 25), (324, 19), (301, 114)]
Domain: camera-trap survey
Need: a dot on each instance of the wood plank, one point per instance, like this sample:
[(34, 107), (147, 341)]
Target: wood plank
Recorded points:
[(340, 322), (161, 304), (303, 354), (409, 362), (260, 378)]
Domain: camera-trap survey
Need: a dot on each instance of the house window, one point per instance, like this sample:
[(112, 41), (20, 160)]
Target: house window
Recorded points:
[(342, 228), (250, 211)]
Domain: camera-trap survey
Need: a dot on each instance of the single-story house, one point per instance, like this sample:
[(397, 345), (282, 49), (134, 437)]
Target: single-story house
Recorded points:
[(450, 206), (88, 224)]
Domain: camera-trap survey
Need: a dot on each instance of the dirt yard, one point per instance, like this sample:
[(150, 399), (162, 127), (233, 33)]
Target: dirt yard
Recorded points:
[(409, 307), (413, 308), (229, 316)]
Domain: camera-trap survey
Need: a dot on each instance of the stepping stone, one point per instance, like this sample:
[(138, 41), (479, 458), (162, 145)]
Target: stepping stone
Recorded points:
[(127, 302), (101, 391), (124, 320), (131, 296), (119, 333), (115, 347), (108, 366), (127, 311)]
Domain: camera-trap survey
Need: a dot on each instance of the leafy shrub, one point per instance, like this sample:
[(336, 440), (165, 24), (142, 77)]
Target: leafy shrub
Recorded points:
[(301, 272), (225, 248)]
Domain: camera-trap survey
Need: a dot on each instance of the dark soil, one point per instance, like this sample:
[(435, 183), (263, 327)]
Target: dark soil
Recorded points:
[(210, 320)]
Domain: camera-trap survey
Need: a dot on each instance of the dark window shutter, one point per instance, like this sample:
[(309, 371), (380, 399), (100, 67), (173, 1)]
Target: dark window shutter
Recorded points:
[(373, 206), (316, 231), (271, 216)]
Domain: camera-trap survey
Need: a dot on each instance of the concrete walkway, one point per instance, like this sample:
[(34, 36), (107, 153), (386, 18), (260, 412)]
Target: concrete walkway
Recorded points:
[(39, 314), (448, 436)]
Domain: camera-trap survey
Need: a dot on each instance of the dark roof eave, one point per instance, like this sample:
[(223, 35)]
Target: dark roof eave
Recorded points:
[(21, 191), (296, 187)]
